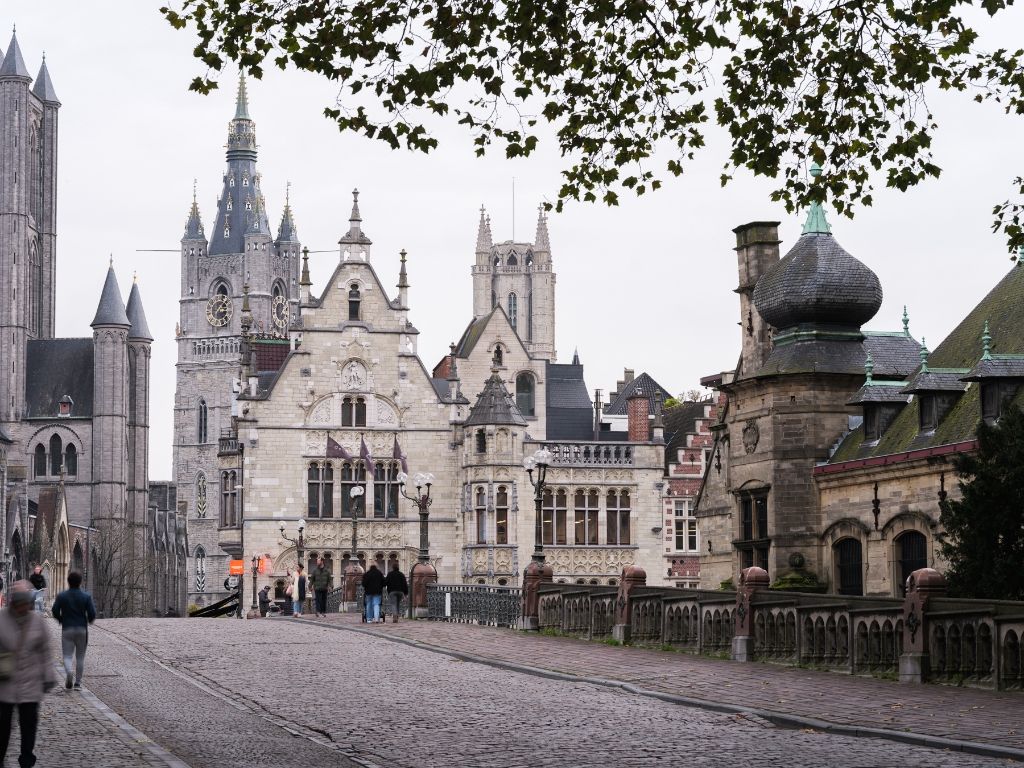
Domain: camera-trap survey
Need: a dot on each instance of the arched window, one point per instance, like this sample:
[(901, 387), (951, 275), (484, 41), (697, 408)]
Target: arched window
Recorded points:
[(353, 302), (77, 558), (201, 422), (353, 412), (553, 516), (200, 569), (525, 394), (56, 454), (71, 460), (585, 517), (849, 562), (221, 289), (512, 260), (39, 461), (360, 412), (481, 441), (911, 554), (352, 474), (320, 489), (201, 495), (228, 500), (501, 515), (513, 309), (481, 516), (617, 511), (385, 489)]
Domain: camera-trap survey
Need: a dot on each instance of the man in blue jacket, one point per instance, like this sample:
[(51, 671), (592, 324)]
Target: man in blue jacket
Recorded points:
[(75, 611)]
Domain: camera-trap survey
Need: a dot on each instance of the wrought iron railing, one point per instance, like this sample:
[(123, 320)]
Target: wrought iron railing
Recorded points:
[(474, 604)]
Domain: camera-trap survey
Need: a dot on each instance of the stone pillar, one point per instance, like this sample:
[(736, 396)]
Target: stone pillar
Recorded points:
[(423, 573), (751, 580), (535, 574), (922, 585), (633, 576), (353, 578)]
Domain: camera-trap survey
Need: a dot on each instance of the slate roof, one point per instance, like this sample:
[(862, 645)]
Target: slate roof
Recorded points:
[(13, 64), (880, 392), (960, 350), (137, 316), (495, 405), (270, 354), (998, 367), (937, 380), (641, 385), (43, 89), (818, 282), (465, 345), (569, 414), (679, 421), (58, 367), (443, 389), (895, 355), (111, 308)]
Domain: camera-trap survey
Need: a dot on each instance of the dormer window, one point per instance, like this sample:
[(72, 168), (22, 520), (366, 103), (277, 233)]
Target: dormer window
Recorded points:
[(231, 181), (995, 397), (932, 409), (248, 205), (64, 405), (871, 422), (245, 181), (229, 206)]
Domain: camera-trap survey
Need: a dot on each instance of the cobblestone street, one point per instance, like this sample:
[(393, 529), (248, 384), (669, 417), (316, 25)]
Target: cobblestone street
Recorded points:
[(290, 693)]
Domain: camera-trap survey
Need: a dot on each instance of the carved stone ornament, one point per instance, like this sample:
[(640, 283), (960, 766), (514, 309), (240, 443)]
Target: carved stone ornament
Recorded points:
[(353, 377), (751, 434)]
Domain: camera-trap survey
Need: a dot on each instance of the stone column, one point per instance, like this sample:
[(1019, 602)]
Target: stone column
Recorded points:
[(536, 573), (633, 576), (751, 580), (922, 585), (423, 573), (353, 578)]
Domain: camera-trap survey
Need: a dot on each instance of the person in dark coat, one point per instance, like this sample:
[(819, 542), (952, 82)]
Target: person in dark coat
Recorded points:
[(264, 597), (75, 611), (398, 588), (320, 582), (38, 582), (373, 588)]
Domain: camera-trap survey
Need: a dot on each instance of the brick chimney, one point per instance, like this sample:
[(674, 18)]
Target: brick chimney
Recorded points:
[(636, 412), (757, 251)]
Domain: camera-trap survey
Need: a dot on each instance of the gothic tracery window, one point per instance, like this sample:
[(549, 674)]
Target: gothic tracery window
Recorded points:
[(320, 489), (71, 460), (513, 309), (56, 454), (201, 422), (201, 504), (200, 569), (525, 394)]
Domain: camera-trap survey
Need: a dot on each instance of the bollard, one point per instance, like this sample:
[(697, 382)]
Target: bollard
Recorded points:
[(922, 585), (423, 573), (633, 576), (751, 580)]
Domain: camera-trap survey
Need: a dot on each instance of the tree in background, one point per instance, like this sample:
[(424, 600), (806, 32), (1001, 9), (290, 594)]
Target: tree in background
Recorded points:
[(833, 82), (984, 530)]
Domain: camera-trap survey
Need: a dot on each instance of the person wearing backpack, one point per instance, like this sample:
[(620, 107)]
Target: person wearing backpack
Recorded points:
[(397, 588)]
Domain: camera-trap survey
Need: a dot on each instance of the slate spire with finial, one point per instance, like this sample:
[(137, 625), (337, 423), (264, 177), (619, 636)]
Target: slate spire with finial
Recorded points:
[(13, 65), (986, 343), (816, 223), (194, 224), (906, 321), (869, 369), (43, 88), (924, 356), (110, 310), (287, 232), (137, 315), (242, 99)]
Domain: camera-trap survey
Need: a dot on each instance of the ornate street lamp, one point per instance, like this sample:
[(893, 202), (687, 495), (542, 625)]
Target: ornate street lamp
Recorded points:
[(256, 562), (537, 571), (423, 573), (300, 543), (354, 571)]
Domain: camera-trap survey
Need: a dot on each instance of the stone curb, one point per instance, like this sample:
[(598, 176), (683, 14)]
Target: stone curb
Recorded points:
[(136, 736), (782, 719)]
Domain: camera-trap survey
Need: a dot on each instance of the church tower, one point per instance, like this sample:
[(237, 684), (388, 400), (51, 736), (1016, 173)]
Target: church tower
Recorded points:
[(28, 216), (236, 260), (519, 278)]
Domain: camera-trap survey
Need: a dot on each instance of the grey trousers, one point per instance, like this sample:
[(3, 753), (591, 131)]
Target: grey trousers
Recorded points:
[(73, 641)]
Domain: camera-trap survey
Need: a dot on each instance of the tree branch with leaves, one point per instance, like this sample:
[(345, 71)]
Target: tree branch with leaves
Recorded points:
[(629, 86)]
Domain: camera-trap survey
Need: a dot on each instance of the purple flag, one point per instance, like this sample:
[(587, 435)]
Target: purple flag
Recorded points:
[(364, 454), (399, 456), (336, 450)]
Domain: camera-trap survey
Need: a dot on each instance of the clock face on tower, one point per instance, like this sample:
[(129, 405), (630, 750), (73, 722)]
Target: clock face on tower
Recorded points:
[(218, 310), (279, 311)]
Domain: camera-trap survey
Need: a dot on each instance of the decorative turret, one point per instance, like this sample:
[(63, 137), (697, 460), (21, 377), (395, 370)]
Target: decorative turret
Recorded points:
[(542, 242), (287, 232), (355, 246), (194, 225), (483, 238), (110, 311), (906, 321), (43, 89), (305, 284), (13, 65), (924, 356), (137, 316), (403, 282), (495, 405)]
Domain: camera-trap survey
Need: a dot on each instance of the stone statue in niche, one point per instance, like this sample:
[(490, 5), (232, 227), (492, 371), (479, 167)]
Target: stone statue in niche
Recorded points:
[(407, 344), (353, 377)]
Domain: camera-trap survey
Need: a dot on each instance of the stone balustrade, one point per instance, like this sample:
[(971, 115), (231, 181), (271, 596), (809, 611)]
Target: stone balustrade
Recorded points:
[(589, 454)]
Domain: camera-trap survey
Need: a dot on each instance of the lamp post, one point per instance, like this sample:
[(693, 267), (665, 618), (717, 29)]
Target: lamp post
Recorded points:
[(300, 543), (256, 562), (423, 573), (537, 571), (354, 571)]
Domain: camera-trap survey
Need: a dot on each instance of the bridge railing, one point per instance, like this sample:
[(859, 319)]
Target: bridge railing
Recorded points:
[(474, 604)]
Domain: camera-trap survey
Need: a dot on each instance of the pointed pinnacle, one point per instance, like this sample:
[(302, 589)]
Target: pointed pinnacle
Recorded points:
[(906, 321), (924, 356), (242, 100), (986, 344), (869, 368), (355, 207), (304, 280)]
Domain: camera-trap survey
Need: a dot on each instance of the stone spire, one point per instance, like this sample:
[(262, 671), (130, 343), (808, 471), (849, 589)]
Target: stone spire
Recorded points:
[(816, 223), (403, 282), (242, 99), (111, 308), (541, 241), (137, 315), (483, 233), (194, 225), (287, 232), (304, 282), (355, 246), (43, 89), (13, 65)]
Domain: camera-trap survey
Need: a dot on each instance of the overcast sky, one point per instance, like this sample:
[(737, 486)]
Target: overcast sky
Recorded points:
[(647, 285)]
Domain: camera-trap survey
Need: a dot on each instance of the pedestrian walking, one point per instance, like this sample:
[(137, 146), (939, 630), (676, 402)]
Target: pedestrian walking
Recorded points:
[(26, 670), (75, 611), (320, 581), (398, 588), (38, 582), (298, 591), (373, 588), (264, 597)]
